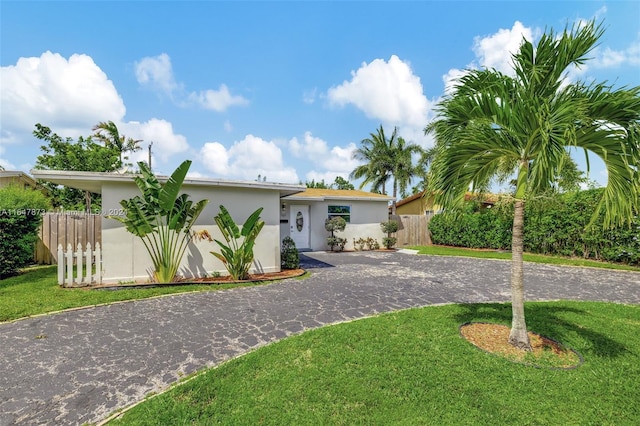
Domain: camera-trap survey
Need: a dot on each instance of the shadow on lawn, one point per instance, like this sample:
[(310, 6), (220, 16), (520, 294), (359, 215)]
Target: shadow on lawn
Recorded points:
[(548, 319)]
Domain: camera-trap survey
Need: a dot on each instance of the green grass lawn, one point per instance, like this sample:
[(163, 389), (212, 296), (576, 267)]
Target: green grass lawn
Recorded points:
[(36, 291), (528, 257), (412, 367)]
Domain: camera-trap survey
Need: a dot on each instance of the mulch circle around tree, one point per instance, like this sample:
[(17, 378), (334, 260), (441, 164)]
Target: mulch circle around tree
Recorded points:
[(546, 352)]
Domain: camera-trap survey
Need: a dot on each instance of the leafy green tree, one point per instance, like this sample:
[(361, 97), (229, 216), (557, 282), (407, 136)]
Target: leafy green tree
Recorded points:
[(319, 185), (81, 155), (338, 183), (526, 123), (20, 217), (342, 183), (162, 219), (235, 255), (107, 132)]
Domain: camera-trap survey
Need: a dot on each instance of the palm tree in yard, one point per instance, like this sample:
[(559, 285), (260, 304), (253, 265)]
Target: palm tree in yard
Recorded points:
[(108, 133), (376, 154), (526, 124), (403, 168), (386, 159)]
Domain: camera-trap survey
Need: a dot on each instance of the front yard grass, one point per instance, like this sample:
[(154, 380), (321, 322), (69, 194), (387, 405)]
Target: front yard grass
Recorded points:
[(413, 367), (36, 291)]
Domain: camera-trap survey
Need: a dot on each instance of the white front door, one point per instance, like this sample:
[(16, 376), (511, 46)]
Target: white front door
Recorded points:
[(299, 225)]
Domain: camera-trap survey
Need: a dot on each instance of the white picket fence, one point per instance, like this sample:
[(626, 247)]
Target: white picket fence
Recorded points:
[(84, 261)]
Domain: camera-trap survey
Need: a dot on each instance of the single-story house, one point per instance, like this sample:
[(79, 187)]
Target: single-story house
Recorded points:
[(13, 177), (303, 215), (124, 257)]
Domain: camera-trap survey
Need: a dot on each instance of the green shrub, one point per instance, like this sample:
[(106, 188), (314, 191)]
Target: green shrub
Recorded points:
[(289, 256), (389, 227), (556, 225), (332, 225), (20, 217)]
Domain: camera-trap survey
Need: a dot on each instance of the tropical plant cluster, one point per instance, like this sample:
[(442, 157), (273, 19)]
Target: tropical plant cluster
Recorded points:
[(162, 218), (553, 226), (237, 253), (20, 217)]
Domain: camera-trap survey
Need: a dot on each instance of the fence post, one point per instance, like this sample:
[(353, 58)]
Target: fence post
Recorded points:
[(60, 265), (79, 271), (68, 257), (88, 277), (98, 264)]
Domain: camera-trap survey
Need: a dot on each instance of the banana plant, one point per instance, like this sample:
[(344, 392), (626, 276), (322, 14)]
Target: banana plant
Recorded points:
[(162, 219), (235, 255)]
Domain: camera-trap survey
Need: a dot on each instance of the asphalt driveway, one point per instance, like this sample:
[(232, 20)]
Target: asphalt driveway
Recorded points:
[(79, 366)]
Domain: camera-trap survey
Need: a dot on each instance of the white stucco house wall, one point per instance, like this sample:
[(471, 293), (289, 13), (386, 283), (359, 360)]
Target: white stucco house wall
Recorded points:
[(124, 257), (303, 215)]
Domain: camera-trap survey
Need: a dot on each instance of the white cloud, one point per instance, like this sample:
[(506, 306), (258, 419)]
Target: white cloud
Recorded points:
[(610, 58), (166, 144), (309, 96), (217, 100), (311, 147), (495, 51), (333, 162), (65, 93), (227, 126), (387, 91), (450, 79), (246, 159), (215, 158), (156, 72), (68, 95)]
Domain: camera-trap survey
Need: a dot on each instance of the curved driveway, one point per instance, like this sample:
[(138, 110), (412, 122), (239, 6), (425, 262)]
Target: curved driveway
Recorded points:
[(79, 366)]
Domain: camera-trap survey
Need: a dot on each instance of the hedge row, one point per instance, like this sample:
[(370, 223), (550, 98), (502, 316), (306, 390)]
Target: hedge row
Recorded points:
[(556, 226), (20, 217)]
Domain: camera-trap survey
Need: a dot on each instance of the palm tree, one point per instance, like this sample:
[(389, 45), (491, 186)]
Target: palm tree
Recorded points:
[(403, 170), (526, 124), (386, 159), (108, 133), (375, 153)]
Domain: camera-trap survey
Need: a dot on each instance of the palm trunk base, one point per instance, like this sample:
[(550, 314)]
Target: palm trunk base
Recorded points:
[(520, 339)]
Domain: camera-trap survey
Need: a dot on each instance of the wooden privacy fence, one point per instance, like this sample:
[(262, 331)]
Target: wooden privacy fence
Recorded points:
[(413, 230), (79, 268), (75, 228)]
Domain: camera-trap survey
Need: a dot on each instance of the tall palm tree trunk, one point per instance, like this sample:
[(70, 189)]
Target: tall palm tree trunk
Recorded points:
[(518, 336)]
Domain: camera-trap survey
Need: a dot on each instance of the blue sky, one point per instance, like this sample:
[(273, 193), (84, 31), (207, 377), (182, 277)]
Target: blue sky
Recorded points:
[(284, 90)]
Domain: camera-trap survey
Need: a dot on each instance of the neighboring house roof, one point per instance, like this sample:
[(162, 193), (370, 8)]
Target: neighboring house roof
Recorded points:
[(485, 198), (18, 176), (409, 199), (93, 181), (316, 194)]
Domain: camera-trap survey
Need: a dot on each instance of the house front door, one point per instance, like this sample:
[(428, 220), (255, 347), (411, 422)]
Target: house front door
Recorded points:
[(299, 225)]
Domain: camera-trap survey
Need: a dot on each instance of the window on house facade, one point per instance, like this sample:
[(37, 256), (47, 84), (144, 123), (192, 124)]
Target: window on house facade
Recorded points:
[(342, 211)]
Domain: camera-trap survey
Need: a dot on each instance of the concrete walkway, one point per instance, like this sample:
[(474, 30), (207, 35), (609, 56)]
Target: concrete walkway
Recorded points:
[(79, 366)]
